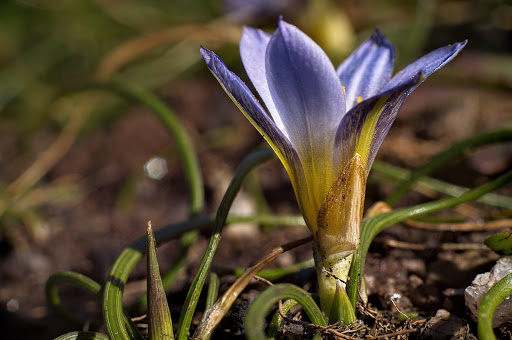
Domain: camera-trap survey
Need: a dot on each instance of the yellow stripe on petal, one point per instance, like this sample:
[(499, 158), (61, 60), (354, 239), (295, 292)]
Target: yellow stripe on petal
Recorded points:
[(364, 143)]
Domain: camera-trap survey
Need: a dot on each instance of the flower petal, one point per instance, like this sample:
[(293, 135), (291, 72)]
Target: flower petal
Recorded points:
[(427, 64), (253, 47), (304, 86), (367, 70), (244, 99), (310, 101), (364, 127)]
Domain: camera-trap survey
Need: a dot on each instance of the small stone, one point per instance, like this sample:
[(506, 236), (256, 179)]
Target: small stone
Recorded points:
[(482, 283)]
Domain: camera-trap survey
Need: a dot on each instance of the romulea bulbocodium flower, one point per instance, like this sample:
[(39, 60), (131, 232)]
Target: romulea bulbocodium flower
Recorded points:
[(325, 124)]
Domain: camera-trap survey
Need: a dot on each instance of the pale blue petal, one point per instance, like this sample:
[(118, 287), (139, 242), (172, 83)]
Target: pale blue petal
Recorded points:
[(253, 47), (367, 70), (398, 88), (306, 91), (247, 103), (427, 64)]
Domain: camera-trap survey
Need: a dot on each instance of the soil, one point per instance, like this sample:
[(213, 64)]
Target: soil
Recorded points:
[(117, 199)]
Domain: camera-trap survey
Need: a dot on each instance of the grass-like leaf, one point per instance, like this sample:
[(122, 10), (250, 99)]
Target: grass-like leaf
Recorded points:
[(455, 151), (374, 225), (432, 184), (159, 316), (194, 292), (255, 319)]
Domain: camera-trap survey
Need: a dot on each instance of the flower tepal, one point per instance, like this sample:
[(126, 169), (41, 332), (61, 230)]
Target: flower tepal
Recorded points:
[(325, 124)]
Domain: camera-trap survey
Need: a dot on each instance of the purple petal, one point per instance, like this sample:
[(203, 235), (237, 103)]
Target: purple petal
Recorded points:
[(305, 89), (349, 131), (253, 47), (247, 103), (427, 64), (367, 70)]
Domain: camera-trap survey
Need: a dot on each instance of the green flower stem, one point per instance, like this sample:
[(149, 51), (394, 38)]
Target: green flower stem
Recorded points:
[(491, 300), (184, 144), (448, 155), (374, 225), (255, 319), (247, 165), (396, 173), (82, 336)]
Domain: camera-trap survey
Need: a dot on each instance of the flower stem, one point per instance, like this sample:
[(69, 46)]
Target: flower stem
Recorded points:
[(332, 280)]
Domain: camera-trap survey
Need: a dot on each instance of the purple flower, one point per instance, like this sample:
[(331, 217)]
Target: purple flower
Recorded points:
[(325, 124)]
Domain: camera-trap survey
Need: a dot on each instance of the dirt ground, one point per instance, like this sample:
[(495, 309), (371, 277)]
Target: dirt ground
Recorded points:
[(421, 269)]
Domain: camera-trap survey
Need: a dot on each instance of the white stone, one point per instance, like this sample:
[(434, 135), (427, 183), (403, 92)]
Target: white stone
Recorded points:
[(482, 283)]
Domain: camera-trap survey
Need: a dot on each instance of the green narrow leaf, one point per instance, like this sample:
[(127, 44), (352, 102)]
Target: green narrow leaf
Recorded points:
[(159, 316), (255, 319), (398, 174), (456, 150), (341, 308), (374, 225), (172, 274), (72, 279), (113, 293), (194, 292)]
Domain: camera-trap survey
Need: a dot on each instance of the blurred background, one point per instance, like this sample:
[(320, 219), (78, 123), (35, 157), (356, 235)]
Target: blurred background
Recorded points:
[(77, 161)]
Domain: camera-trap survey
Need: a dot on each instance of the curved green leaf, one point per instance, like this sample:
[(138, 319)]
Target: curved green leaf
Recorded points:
[(71, 279), (255, 319)]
